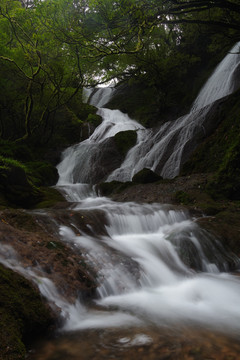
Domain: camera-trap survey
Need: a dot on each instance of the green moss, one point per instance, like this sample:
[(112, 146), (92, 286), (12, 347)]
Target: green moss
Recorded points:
[(42, 173), (220, 153), (125, 140), (113, 187), (53, 245), (16, 150), (15, 185), (94, 119), (139, 101), (23, 315), (50, 197), (183, 198), (226, 182), (7, 163)]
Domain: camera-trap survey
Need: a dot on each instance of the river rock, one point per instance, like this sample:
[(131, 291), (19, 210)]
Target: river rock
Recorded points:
[(146, 176)]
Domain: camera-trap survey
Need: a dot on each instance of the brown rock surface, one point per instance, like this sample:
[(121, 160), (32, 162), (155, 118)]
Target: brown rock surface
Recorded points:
[(39, 247)]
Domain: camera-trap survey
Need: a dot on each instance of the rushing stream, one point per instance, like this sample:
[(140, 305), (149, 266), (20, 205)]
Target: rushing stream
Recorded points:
[(157, 270)]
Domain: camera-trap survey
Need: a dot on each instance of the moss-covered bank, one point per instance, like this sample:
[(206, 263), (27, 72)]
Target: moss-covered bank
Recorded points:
[(28, 167), (23, 315)]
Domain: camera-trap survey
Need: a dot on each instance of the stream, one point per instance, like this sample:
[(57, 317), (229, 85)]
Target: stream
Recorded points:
[(166, 289)]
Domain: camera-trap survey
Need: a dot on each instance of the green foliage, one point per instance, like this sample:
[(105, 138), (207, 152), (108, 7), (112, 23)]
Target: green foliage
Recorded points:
[(50, 50), (183, 198), (41, 173), (226, 182), (94, 119), (15, 185), (8, 163), (18, 151)]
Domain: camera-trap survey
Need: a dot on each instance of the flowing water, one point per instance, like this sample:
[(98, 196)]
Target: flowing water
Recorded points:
[(162, 280), (163, 151)]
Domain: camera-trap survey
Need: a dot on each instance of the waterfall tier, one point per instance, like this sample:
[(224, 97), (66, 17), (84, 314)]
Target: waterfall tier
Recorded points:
[(163, 151)]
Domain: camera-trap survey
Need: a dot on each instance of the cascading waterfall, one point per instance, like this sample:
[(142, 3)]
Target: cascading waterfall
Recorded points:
[(166, 150), (163, 151), (155, 265)]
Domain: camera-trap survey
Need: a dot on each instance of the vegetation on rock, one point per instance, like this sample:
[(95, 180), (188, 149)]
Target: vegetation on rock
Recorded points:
[(220, 153), (124, 140), (23, 315)]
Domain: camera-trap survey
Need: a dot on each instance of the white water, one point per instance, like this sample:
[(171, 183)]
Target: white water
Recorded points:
[(224, 81), (163, 151), (166, 150), (143, 271), (154, 264)]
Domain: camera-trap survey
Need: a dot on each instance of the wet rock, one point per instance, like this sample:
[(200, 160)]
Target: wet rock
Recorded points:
[(16, 187), (24, 315), (39, 247), (103, 159), (146, 176), (125, 140)]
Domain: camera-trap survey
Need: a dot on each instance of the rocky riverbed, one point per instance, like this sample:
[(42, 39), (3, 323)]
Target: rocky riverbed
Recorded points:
[(35, 243)]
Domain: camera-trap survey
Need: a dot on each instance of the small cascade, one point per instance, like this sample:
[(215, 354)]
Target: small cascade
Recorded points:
[(79, 162), (154, 266), (99, 96)]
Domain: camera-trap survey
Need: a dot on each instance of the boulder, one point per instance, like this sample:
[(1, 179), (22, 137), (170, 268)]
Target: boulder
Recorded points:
[(146, 176), (16, 187)]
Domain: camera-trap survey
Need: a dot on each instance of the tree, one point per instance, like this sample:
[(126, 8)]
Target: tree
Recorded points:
[(38, 65)]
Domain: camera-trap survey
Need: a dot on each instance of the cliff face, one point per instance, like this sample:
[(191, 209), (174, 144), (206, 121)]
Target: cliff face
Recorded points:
[(219, 153)]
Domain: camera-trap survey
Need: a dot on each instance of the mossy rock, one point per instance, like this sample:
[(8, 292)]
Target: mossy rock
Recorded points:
[(42, 173), (219, 154), (113, 187), (17, 150), (50, 197), (183, 198), (94, 119), (138, 100), (125, 140), (226, 181), (23, 315), (70, 121), (146, 176), (15, 185)]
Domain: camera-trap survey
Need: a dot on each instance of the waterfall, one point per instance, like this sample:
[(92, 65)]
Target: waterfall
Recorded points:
[(155, 266), (163, 151), (99, 96), (166, 150), (224, 80), (79, 162)]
